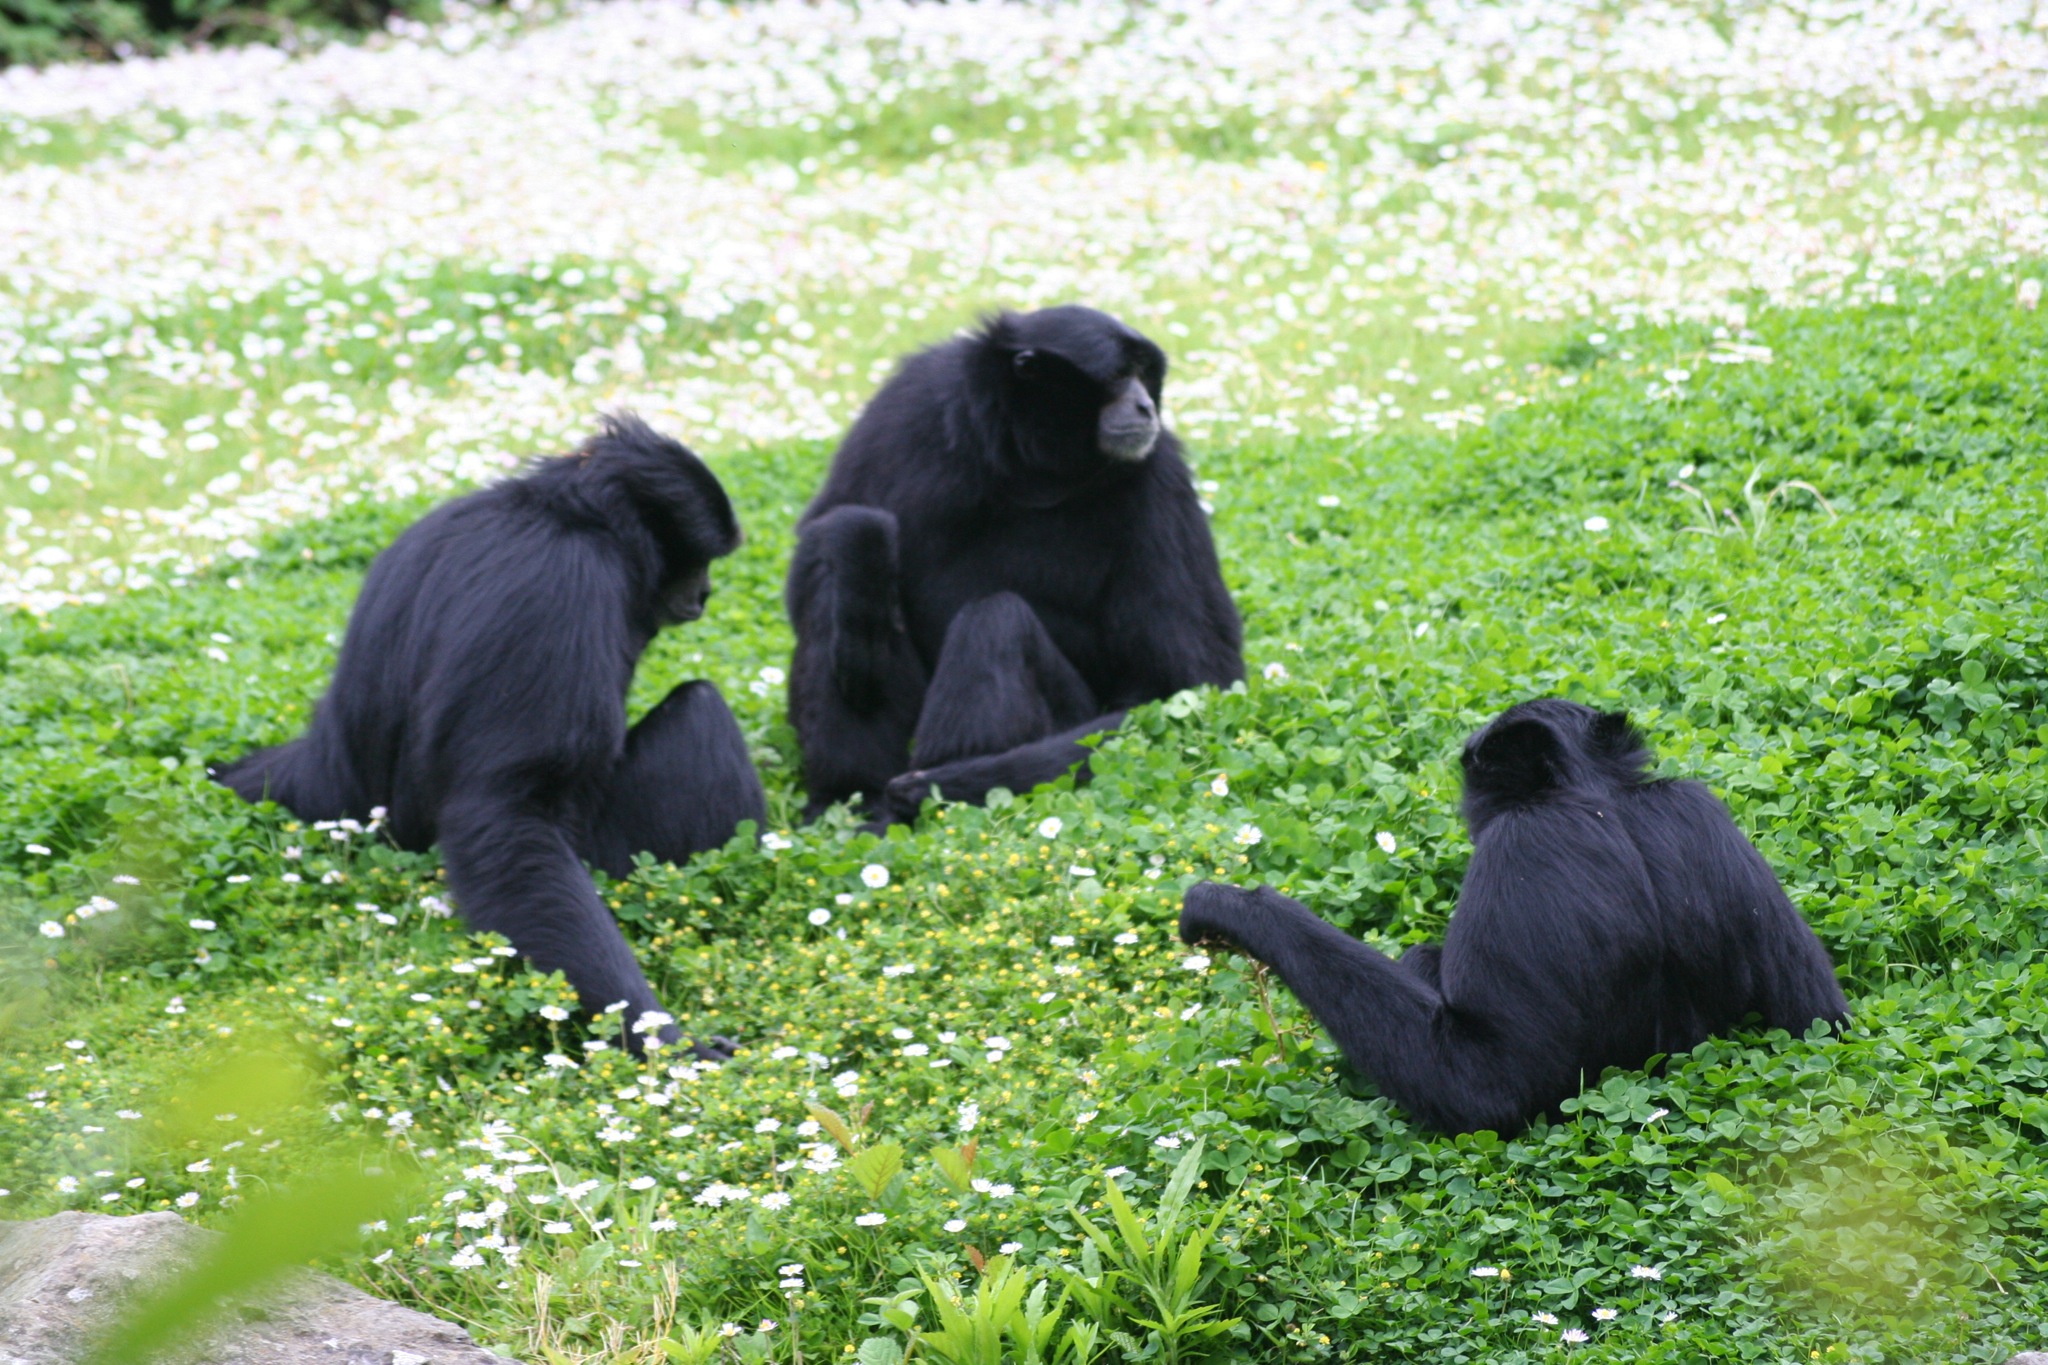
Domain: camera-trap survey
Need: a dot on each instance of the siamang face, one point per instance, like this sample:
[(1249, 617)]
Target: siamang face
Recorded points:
[(1085, 385), (1128, 426), (683, 597)]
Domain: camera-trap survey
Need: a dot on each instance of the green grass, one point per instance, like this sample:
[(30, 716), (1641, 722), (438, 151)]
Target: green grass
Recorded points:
[(1869, 691), (943, 120), (55, 142), (144, 434), (941, 115)]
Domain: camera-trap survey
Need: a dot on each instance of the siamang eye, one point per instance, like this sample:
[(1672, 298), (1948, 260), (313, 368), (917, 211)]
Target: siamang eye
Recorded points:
[(1025, 363)]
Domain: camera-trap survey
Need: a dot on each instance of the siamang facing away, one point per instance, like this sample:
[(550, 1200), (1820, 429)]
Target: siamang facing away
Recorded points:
[(1007, 553), (480, 698), (1606, 918)]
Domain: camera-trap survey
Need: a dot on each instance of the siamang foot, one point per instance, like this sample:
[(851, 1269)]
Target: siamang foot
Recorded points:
[(1214, 914), (716, 1048), (904, 797)]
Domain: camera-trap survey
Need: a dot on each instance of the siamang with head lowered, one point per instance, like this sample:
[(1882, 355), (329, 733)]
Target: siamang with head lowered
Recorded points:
[(1607, 917), (480, 698), (1008, 552)]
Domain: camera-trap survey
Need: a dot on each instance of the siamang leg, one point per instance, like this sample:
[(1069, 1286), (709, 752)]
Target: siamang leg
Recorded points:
[(856, 681), (684, 784), (1000, 682), (514, 872), (296, 776), (1005, 709), (1455, 1070), (1018, 770)]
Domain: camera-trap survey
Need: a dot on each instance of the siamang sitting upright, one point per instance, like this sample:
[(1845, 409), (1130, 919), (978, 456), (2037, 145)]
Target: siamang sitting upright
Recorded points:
[(1606, 918), (1007, 553), (480, 698)]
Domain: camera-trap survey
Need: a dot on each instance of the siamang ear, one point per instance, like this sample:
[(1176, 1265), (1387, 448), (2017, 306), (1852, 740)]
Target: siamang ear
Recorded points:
[(1618, 745), (1518, 758), (1612, 733), (1026, 364)]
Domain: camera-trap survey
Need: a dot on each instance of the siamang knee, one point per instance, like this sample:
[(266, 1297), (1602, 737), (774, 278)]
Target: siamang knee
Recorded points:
[(684, 784), (856, 680), (1426, 961)]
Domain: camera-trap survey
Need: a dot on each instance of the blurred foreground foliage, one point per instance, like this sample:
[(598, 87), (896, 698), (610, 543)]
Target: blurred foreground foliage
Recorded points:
[(265, 1085)]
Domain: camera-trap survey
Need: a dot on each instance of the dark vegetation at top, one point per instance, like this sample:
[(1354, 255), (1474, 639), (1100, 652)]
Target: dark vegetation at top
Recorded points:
[(37, 31)]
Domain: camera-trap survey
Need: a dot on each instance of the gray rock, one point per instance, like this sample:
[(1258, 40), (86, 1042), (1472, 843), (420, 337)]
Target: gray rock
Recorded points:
[(63, 1278)]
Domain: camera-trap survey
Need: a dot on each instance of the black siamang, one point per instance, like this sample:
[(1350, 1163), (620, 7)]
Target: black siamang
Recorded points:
[(1607, 918), (480, 698), (1007, 553)]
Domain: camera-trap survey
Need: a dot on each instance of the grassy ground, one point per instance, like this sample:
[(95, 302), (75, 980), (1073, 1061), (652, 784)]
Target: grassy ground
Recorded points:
[(1663, 356), (1863, 680)]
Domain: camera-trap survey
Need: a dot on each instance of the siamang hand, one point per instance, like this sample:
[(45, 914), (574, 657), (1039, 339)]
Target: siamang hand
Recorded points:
[(1214, 914)]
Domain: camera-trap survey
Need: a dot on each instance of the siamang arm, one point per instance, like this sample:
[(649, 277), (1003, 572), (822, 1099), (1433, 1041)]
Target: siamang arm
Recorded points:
[(1168, 619), (1391, 1023), (514, 873), (530, 711)]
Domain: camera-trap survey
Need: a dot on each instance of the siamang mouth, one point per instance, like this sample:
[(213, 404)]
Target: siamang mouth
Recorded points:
[(1130, 444), (684, 608)]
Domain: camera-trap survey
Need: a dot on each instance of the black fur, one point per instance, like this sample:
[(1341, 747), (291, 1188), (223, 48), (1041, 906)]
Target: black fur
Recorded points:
[(1003, 559), (480, 698), (1606, 918)]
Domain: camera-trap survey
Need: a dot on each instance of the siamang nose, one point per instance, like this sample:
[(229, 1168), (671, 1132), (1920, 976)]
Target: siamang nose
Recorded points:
[(1142, 401)]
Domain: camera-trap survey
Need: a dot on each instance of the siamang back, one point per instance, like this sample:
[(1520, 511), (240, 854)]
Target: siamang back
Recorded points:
[(1007, 552), (1606, 917), (479, 697)]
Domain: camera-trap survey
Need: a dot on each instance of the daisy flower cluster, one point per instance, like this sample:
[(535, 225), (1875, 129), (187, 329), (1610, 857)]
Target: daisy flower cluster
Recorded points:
[(263, 285)]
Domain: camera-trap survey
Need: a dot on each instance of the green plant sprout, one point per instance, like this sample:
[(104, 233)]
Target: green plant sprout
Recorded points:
[(1152, 1272), (1759, 507)]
